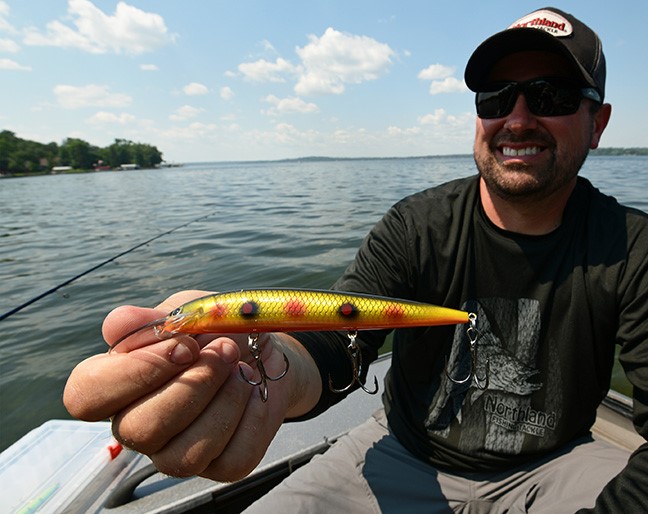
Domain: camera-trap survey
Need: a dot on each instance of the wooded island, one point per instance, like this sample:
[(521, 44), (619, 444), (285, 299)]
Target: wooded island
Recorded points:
[(24, 157)]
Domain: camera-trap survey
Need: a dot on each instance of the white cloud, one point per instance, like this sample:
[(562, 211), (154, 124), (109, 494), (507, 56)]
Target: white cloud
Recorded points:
[(268, 46), (266, 71), (447, 85), (463, 123), (336, 59), (398, 131), (9, 46), (436, 72), (129, 30), (226, 93), (109, 117), (194, 131), (148, 67), (195, 89), (5, 26), (442, 79), (289, 105), (9, 64), (285, 133), (92, 95), (433, 118), (435, 133), (185, 112)]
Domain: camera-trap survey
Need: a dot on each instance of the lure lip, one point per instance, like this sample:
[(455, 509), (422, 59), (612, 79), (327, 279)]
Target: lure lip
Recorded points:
[(155, 324), (173, 323), (164, 327)]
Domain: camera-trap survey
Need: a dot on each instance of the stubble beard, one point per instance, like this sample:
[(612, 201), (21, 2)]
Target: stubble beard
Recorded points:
[(521, 182)]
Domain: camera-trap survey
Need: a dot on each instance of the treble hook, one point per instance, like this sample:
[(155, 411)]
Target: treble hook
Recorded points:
[(353, 351), (480, 383), (255, 350)]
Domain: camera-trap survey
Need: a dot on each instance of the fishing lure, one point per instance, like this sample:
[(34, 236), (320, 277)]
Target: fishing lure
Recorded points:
[(255, 311)]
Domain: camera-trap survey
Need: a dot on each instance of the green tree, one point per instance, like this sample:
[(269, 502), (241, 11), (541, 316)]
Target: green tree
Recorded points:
[(8, 144), (118, 153), (21, 155), (78, 154), (146, 156), (123, 151)]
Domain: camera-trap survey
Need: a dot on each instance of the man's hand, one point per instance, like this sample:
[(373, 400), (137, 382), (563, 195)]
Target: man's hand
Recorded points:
[(183, 402)]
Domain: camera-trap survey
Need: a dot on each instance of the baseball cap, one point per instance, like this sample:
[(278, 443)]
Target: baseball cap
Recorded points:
[(548, 29)]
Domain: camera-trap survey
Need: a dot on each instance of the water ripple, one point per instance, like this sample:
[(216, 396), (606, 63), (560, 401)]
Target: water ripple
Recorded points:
[(271, 224)]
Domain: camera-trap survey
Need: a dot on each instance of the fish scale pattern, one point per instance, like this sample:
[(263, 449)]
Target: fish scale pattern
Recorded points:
[(279, 310)]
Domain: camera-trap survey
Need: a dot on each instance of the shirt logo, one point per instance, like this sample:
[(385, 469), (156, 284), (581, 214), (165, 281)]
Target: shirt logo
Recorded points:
[(516, 408)]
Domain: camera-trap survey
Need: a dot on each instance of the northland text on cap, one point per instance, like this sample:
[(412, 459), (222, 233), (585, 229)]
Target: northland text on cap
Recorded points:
[(548, 29)]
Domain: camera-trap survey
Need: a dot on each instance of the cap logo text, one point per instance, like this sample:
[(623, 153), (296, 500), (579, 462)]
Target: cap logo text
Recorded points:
[(546, 20)]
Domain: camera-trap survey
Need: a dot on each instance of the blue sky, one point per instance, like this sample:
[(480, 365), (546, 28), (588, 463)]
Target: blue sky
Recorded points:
[(253, 79)]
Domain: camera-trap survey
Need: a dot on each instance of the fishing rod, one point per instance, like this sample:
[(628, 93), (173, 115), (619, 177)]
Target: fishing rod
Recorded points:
[(94, 268)]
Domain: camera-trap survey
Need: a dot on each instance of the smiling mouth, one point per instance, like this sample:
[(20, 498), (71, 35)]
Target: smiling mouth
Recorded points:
[(508, 151)]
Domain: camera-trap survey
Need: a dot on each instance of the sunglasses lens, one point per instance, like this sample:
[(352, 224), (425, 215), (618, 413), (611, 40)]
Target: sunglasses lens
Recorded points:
[(552, 99), (495, 104), (543, 98)]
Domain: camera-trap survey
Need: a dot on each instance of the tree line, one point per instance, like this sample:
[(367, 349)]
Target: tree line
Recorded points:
[(620, 151), (22, 156)]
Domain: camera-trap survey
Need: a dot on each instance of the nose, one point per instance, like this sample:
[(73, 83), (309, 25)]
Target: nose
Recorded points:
[(521, 118)]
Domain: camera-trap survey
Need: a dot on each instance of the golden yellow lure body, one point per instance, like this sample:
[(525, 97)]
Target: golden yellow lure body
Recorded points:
[(300, 310), (253, 311)]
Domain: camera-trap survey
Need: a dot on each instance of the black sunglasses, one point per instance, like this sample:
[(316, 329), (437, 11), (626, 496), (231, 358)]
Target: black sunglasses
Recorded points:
[(544, 97)]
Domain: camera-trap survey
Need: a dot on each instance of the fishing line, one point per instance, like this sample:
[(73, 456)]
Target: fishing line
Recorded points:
[(94, 268)]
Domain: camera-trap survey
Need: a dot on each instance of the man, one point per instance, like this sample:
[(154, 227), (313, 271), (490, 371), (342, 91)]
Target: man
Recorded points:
[(555, 271)]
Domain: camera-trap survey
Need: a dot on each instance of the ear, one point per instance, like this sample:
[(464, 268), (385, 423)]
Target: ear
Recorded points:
[(600, 121)]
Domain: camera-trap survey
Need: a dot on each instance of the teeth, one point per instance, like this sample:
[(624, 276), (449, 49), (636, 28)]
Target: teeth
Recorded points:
[(512, 152)]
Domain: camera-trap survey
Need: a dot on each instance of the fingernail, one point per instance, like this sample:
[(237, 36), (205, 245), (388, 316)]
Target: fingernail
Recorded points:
[(181, 355), (243, 372), (230, 352)]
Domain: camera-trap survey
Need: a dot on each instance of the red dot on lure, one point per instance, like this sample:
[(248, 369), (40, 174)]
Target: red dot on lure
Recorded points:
[(249, 309), (295, 308), (219, 310), (394, 311), (348, 310)]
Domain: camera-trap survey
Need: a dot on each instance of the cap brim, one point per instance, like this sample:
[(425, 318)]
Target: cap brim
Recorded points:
[(510, 41)]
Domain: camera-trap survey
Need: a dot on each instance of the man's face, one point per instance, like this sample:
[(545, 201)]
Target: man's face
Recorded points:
[(522, 156)]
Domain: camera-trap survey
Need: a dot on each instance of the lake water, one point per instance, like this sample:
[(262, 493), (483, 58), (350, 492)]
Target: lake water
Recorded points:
[(268, 224)]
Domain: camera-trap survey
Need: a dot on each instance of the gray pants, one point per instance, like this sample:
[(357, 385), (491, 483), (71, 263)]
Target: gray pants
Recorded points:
[(369, 471)]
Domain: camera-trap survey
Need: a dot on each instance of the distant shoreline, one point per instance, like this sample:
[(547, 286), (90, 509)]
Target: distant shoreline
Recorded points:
[(599, 152), (612, 151)]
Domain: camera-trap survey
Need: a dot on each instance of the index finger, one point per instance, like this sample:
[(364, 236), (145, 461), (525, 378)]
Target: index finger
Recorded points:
[(104, 384), (125, 326)]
